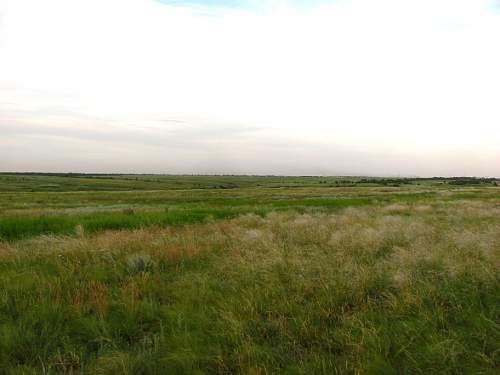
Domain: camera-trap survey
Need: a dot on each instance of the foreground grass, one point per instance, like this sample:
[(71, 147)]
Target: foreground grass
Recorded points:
[(379, 289)]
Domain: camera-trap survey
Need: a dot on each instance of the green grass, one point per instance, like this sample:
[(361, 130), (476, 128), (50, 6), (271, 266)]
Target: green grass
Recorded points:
[(54, 182), (18, 226), (15, 228), (251, 280), (40, 182)]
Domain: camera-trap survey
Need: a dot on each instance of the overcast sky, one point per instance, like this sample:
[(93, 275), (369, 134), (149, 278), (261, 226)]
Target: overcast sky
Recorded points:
[(350, 87)]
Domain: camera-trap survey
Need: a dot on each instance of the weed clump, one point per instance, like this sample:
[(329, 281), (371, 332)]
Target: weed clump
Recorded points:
[(128, 211), (139, 263), (80, 231)]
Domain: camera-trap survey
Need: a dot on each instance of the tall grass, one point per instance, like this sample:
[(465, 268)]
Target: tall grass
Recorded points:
[(396, 289), (28, 223), (21, 226)]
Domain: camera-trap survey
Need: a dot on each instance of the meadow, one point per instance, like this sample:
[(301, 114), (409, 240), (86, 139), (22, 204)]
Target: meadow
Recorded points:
[(139, 274)]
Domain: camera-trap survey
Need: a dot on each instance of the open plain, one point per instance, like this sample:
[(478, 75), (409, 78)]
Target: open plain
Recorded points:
[(138, 274)]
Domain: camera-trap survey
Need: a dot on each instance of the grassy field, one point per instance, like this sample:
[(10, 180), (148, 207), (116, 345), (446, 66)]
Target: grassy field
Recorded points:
[(248, 275)]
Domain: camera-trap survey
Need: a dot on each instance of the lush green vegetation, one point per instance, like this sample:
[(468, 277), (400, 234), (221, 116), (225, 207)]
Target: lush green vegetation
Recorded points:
[(81, 182), (274, 275), (64, 182)]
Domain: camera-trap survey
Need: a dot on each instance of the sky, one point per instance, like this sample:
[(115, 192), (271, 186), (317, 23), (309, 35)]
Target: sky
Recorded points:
[(318, 87)]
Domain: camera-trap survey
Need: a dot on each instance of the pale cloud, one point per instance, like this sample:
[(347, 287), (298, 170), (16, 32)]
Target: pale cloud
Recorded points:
[(352, 87)]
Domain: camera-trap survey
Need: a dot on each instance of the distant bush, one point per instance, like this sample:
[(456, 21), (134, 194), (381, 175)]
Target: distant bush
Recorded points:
[(470, 181)]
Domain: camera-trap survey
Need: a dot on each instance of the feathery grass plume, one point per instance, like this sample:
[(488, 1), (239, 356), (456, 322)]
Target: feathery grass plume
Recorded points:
[(137, 263), (396, 208), (423, 209), (79, 231)]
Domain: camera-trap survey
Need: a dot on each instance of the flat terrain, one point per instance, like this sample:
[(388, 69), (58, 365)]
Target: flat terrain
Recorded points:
[(138, 274)]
